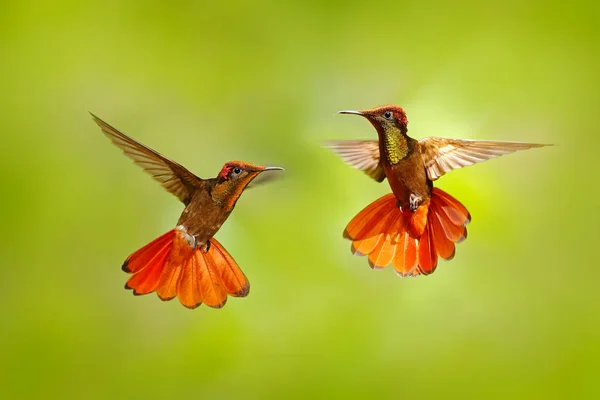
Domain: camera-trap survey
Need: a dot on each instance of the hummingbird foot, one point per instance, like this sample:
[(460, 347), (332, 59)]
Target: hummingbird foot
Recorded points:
[(415, 202), (207, 246), (190, 239), (399, 205)]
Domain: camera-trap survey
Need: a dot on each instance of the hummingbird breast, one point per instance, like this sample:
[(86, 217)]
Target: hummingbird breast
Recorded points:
[(408, 176), (202, 217)]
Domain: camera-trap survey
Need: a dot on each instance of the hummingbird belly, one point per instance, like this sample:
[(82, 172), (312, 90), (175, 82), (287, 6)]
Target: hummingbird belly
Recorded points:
[(202, 220), (408, 180)]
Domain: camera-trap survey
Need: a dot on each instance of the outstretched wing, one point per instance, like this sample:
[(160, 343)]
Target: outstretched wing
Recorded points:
[(442, 155), (360, 154), (172, 176)]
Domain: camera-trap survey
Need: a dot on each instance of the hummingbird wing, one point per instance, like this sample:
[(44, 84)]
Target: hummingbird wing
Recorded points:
[(172, 176), (441, 155), (360, 154)]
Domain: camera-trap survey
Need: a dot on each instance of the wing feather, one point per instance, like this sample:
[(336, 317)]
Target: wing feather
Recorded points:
[(441, 155), (360, 154), (172, 176)]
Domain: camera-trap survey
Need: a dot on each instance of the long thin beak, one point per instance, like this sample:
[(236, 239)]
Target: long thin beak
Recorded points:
[(351, 112), (273, 168)]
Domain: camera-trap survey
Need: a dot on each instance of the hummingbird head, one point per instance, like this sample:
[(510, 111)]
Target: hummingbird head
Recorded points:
[(239, 172), (384, 118), (234, 178)]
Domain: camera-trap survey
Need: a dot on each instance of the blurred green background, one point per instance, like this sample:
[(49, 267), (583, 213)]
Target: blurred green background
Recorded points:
[(514, 315)]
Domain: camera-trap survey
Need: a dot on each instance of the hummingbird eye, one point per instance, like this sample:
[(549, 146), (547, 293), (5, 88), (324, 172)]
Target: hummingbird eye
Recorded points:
[(237, 171), (387, 115)]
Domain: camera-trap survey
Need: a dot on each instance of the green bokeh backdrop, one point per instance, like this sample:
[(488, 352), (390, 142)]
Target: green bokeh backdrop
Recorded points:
[(514, 315)]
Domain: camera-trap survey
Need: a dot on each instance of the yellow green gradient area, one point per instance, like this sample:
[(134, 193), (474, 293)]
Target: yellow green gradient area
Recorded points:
[(514, 315)]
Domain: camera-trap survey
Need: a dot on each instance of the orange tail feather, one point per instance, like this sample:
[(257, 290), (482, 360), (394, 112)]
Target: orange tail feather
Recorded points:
[(384, 251), (209, 284), (143, 256), (427, 255), (147, 278), (169, 266), (443, 245), (412, 242), (187, 288), (405, 262), (233, 279)]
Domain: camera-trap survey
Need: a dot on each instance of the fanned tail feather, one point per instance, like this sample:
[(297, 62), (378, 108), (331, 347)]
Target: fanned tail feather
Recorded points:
[(234, 281), (171, 268), (412, 242)]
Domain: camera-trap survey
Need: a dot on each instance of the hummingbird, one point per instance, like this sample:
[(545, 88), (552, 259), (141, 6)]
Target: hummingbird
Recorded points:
[(188, 262), (417, 223)]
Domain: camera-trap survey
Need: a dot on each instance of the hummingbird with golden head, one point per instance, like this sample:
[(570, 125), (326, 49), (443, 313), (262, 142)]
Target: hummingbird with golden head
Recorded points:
[(417, 223), (188, 262)]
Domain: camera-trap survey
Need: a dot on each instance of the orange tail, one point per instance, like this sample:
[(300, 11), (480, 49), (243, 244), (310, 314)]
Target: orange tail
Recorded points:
[(169, 266), (412, 242)]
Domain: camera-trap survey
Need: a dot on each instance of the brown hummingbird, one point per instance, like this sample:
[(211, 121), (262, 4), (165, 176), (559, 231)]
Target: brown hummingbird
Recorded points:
[(416, 223), (188, 262)]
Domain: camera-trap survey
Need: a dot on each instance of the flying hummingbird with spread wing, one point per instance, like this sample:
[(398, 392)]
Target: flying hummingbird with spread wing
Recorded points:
[(188, 262), (416, 223)]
